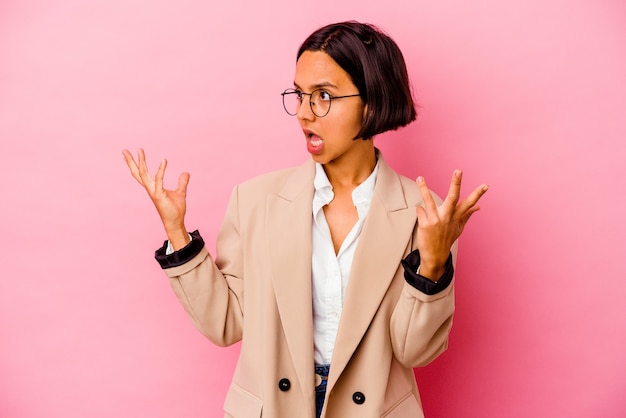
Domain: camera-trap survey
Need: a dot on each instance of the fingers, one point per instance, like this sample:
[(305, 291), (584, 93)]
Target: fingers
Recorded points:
[(429, 202), (132, 166), (469, 204), (455, 189), (141, 163), (467, 215), (139, 169), (128, 157), (158, 178), (183, 181), (451, 208), (146, 179), (449, 204)]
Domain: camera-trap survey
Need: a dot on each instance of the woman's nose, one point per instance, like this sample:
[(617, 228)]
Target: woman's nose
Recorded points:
[(305, 112)]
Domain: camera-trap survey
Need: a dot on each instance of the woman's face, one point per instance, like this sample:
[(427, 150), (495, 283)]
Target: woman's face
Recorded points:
[(330, 138)]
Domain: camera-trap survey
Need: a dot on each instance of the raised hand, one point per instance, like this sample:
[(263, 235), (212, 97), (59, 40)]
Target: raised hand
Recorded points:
[(170, 204), (439, 226)]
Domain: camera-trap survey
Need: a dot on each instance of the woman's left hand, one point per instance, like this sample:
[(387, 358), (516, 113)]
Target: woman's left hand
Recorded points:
[(439, 226)]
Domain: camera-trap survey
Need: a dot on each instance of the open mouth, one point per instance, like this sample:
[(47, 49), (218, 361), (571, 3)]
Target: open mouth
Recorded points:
[(314, 142)]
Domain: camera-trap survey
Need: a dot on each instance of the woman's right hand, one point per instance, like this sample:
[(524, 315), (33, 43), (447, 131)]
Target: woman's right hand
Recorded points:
[(170, 204)]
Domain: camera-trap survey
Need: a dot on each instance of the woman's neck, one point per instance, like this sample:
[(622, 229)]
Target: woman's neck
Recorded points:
[(351, 170)]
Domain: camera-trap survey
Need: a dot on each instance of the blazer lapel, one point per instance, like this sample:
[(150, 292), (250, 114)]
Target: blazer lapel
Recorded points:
[(385, 235), (288, 221)]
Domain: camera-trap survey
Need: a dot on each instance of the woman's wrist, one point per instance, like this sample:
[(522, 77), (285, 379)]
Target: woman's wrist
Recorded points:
[(433, 274), (178, 236), (431, 269)]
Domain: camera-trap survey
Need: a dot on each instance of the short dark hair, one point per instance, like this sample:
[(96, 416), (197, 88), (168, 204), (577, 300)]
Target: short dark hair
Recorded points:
[(376, 66)]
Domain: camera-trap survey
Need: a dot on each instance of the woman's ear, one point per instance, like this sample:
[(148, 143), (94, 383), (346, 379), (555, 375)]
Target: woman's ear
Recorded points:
[(365, 111)]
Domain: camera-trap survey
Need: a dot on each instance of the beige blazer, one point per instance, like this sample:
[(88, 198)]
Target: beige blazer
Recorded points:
[(258, 289)]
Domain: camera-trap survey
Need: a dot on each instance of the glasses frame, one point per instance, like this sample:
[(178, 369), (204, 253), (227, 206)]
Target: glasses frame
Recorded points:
[(301, 95)]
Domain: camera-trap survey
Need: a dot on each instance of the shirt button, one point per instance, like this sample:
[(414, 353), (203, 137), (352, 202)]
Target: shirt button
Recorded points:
[(358, 398), (284, 385)]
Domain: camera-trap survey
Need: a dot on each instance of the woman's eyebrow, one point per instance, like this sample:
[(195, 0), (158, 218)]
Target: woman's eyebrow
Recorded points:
[(323, 84)]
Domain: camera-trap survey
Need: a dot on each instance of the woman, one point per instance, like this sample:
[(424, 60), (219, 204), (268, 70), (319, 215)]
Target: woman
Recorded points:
[(337, 275)]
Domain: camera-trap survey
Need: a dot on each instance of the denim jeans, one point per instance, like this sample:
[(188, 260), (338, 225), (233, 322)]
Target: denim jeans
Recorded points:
[(320, 391)]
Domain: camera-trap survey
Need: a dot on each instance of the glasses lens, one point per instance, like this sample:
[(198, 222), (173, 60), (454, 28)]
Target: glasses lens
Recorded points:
[(320, 103), (291, 101)]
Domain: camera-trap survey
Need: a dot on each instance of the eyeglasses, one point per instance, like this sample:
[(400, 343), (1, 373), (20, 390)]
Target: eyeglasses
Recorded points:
[(319, 100)]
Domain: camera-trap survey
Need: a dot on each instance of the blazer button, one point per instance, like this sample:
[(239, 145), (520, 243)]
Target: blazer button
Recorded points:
[(358, 398), (284, 385)]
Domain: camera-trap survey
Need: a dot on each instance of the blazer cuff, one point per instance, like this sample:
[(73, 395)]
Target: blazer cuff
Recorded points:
[(421, 283), (182, 256)]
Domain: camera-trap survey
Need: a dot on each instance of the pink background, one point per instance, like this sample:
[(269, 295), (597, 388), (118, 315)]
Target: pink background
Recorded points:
[(528, 96)]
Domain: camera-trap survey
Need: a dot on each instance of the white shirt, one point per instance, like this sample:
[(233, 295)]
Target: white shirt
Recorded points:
[(330, 272)]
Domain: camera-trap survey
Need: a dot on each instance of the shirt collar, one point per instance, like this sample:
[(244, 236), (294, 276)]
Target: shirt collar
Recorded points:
[(361, 195)]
